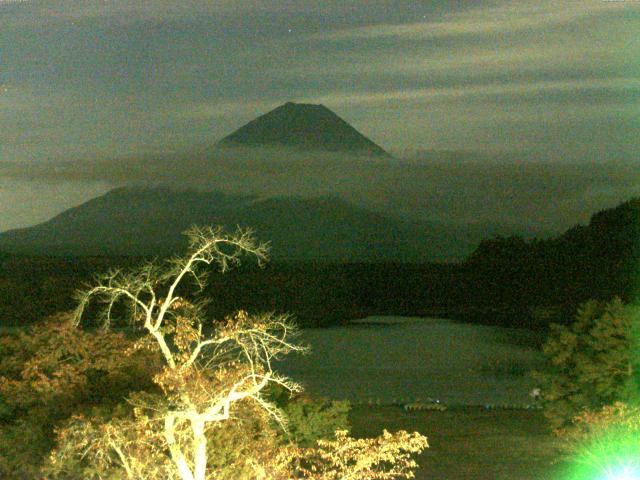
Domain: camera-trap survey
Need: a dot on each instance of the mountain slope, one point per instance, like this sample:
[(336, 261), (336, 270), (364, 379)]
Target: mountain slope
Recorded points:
[(303, 125), (595, 261), (149, 221)]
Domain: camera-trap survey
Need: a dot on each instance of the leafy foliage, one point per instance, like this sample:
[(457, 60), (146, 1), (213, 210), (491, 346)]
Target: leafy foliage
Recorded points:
[(591, 361), (210, 391), (385, 457), (53, 371), (310, 420), (591, 427), (603, 443)]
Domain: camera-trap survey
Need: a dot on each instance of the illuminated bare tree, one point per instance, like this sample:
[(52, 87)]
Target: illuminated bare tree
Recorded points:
[(208, 367), (211, 372)]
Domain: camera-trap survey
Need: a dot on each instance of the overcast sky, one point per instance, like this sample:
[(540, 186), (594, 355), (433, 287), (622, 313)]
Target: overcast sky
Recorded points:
[(85, 80)]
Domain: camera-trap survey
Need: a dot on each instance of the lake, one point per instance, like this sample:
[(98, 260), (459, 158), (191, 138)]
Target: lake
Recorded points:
[(391, 359)]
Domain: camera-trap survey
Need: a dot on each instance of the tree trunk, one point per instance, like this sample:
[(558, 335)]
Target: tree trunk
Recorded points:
[(176, 454), (199, 449)]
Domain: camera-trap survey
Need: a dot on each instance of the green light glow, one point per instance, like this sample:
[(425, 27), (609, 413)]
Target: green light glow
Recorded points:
[(612, 456), (627, 471)]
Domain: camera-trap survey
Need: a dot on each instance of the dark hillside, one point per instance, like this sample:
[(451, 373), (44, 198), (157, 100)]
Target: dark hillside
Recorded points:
[(599, 260), (150, 221)]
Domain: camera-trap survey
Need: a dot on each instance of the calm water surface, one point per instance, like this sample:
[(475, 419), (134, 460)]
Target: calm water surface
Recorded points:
[(399, 358)]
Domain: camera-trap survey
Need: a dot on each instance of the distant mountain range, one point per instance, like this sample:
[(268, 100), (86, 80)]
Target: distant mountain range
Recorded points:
[(149, 221), (304, 126)]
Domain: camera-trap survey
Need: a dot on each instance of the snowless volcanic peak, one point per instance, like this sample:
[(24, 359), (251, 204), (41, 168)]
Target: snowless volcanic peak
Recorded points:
[(303, 125)]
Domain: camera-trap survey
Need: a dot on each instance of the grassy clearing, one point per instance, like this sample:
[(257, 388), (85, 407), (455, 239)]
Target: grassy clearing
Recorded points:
[(471, 442)]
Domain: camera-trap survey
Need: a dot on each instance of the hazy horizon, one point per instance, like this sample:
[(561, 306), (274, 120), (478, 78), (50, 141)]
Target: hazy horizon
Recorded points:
[(532, 197), (549, 90)]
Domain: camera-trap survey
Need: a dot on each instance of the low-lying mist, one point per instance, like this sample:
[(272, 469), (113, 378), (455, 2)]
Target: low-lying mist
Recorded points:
[(523, 195)]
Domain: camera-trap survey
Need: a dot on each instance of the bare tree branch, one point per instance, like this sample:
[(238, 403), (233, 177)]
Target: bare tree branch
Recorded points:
[(205, 376)]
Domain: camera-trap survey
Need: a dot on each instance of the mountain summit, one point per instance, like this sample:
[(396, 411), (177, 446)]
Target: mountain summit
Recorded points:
[(303, 125)]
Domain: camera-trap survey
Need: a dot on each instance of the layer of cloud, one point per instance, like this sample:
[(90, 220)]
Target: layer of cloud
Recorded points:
[(530, 195), (505, 17), (39, 12), (100, 79), (542, 91), (174, 78)]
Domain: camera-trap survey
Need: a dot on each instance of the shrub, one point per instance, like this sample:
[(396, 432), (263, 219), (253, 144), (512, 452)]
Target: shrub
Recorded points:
[(54, 370), (603, 443), (210, 414), (590, 362), (310, 420)]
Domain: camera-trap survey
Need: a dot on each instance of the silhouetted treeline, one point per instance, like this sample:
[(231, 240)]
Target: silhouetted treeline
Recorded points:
[(33, 287), (324, 294), (507, 281), (316, 294), (540, 281)]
